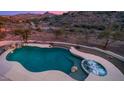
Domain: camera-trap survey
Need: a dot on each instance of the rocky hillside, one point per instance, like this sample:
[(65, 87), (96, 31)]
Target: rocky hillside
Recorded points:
[(87, 20), (74, 19)]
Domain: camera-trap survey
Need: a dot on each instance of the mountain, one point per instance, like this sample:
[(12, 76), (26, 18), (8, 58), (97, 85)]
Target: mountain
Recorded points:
[(86, 20), (89, 20)]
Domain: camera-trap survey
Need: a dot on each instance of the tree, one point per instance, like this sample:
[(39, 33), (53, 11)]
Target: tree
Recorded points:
[(1, 25), (2, 35), (84, 34), (111, 36), (58, 33), (105, 35), (118, 36), (23, 33)]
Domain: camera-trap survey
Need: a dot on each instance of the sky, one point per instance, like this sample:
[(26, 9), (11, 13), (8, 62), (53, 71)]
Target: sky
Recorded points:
[(24, 12)]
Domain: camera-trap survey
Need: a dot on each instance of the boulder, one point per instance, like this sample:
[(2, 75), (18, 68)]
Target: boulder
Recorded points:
[(74, 69)]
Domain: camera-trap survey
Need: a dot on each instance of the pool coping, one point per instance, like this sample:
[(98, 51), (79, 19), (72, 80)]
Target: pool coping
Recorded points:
[(16, 71), (113, 73)]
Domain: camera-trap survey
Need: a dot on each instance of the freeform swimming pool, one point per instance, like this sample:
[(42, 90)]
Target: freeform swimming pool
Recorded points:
[(36, 59)]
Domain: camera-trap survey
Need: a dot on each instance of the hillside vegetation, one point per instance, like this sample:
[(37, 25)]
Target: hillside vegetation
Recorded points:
[(93, 28)]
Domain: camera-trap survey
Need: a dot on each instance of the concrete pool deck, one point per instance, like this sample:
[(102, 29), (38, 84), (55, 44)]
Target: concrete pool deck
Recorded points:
[(15, 71), (113, 73)]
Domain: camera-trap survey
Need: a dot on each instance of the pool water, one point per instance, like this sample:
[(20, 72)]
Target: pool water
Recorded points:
[(36, 59), (91, 66)]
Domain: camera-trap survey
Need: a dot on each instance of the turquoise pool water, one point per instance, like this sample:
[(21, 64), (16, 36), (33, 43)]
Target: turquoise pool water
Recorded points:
[(37, 59)]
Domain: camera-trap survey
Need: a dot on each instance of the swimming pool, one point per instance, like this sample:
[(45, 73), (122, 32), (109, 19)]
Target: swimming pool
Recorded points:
[(36, 59)]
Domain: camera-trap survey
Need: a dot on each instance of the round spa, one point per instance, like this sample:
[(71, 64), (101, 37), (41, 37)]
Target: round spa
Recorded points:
[(91, 66)]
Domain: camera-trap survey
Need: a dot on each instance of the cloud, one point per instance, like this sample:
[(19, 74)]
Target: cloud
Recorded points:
[(57, 12)]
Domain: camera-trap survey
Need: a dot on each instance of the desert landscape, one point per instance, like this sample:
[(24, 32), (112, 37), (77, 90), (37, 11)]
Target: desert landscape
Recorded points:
[(99, 29)]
